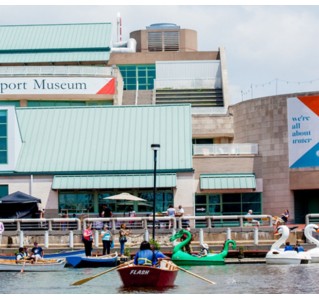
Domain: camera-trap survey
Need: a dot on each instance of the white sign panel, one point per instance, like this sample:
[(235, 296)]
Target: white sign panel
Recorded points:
[(56, 85), (303, 133)]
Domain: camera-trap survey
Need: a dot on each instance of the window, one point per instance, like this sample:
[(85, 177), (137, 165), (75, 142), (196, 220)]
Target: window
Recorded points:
[(3, 137), (163, 200), (144, 75), (227, 204), (4, 190), (73, 202)]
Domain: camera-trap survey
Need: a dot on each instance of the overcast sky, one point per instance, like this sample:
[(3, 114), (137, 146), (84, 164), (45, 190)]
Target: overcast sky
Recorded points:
[(270, 49)]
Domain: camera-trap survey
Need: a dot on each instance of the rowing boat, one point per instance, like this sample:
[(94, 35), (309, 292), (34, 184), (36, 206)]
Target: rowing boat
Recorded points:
[(45, 265), (62, 254), (92, 261), (148, 276)]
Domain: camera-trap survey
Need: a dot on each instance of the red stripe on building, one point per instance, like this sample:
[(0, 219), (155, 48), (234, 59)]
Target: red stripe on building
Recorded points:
[(108, 89)]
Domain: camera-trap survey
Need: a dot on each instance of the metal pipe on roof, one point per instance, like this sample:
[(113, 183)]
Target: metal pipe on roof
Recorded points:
[(124, 47)]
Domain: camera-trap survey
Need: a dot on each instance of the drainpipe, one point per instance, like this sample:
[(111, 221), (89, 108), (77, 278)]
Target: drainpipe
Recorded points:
[(31, 184)]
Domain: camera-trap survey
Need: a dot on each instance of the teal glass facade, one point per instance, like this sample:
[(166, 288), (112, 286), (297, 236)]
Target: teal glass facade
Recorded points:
[(138, 77), (3, 137)]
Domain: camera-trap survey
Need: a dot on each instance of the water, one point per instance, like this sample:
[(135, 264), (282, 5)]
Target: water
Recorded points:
[(230, 279)]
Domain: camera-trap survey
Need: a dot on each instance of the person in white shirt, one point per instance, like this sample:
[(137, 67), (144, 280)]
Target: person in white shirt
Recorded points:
[(180, 211), (171, 213)]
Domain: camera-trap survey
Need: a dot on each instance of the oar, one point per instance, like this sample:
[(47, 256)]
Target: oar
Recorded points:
[(195, 275), (80, 282)]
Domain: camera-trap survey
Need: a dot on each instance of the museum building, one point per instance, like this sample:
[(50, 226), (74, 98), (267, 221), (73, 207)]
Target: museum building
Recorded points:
[(80, 112)]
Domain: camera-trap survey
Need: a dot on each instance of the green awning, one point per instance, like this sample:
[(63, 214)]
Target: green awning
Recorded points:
[(227, 181), (61, 182)]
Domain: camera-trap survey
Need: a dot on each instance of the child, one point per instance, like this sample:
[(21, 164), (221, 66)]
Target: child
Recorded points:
[(203, 250)]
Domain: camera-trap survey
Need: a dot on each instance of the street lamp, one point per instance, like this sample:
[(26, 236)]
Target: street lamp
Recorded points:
[(155, 148)]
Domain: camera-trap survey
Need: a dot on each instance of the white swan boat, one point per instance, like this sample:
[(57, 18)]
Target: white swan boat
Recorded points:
[(314, 253), (278, 256)]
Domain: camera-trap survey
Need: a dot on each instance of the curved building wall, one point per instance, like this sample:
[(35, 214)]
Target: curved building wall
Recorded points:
[(264, 121)]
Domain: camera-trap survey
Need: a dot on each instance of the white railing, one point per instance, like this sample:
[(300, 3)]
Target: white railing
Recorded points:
[(202, 83), (225, 149), (312, 218), (56, 70), (134, 223), (42, 224)]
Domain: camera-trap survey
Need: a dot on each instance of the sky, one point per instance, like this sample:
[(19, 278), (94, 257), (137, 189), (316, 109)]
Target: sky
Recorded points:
[(270, 49)]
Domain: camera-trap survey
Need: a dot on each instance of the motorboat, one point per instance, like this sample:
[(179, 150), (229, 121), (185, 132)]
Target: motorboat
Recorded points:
[(76, 261), (149, 276), (278, 256), (181, 257), (314, 252), (43, 265)]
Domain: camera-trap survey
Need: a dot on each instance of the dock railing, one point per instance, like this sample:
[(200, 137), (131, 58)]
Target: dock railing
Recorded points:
[(136, 223)]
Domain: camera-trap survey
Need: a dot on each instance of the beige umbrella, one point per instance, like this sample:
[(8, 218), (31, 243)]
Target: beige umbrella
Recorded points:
[(125, 196)]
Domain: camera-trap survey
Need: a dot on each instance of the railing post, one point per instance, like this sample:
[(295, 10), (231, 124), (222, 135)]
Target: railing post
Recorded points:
[(146, 235), (18, 225), (50, 225), (46, 239), (71, 239), (209, 222), (256, 236), (228, 234), (201, 236), (21, 238), (96, 238)]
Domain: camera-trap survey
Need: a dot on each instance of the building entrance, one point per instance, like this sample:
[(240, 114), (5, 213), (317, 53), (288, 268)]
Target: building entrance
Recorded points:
[(306, 202)]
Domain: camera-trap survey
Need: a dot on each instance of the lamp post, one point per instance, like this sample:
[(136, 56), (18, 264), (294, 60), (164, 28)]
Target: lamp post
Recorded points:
[(155, 148)]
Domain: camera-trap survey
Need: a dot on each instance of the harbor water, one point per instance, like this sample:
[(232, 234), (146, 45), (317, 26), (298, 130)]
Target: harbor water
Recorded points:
[(229, 279)]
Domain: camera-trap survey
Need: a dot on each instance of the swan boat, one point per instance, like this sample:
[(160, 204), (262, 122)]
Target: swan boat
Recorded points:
[(314, 253), (148, 276), (45, 265), (92, 261), (278, 256), (181, 257)]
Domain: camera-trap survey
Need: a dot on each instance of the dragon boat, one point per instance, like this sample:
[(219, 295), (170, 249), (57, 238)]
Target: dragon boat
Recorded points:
[(181, 257)]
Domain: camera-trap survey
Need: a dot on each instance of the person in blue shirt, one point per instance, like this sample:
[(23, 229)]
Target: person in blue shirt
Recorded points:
[(288, 247), (299, 248), (159, 255), (37, 251), (145, 256)]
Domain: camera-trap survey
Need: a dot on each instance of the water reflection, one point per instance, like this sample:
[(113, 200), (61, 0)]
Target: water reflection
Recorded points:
[(230, 279)]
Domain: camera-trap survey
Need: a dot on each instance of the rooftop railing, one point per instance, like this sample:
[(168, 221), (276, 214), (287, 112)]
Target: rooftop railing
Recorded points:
[(225, 149)]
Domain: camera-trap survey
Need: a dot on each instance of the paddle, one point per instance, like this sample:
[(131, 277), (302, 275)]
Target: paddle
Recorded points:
[(195, 275), (80, 282)]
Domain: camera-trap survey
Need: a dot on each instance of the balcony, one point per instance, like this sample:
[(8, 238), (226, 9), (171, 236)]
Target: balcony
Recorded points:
[(225, 149)]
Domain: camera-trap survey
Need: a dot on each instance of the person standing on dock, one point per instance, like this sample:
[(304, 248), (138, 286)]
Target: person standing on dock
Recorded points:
[(87, 239), (123, 233), (106, 236)]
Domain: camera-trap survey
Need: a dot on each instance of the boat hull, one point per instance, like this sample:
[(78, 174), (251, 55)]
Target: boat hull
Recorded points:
[(280, 257), (92, 262), (147, 276), (185, 259), (45, 266)]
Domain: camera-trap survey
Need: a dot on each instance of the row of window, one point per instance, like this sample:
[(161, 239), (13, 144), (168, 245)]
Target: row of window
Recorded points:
[(138, 77), (3, 137), (210, 204)]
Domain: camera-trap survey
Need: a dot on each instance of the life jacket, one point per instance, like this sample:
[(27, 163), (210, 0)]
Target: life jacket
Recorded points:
[(146, 257)]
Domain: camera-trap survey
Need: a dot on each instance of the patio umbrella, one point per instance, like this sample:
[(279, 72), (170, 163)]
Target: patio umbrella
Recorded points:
[(124, 196)]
